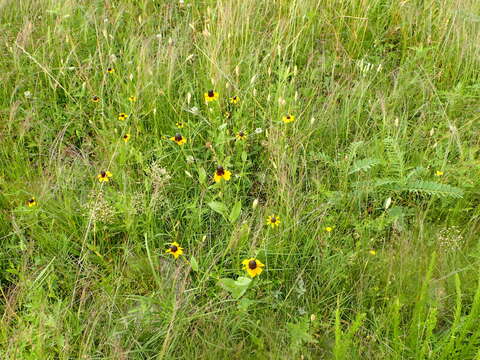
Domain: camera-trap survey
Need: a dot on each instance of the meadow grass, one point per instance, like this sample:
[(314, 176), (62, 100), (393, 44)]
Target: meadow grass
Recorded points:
[(375, 181)]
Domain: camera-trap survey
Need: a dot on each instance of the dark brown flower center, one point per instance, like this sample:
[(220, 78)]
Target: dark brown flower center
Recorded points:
[(211, 93), (31, 201), (241, 134), (125, 136), (109, 69), (95, 98), (178, 137), (220, 171), (288, 117), (173, 248), (252, 264), (273, 220), (103, 174)]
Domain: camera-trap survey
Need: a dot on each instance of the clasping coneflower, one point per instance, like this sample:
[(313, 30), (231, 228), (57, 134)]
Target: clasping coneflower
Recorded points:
[(175, 249), (241, 135), (180, 124), (104, 176), (132, 99), (273, 220), (221, 173), (122, 116), (126, 137), (328, 228), (31, 202), (288, 119), (210, 95), (253, 267), (110, 70), (95, 99), (179, 139), (234, 99), (438, 173)]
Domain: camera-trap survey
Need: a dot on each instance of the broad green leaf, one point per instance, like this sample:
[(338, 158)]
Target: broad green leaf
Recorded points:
[(244, 304), (244, 156), (236, 288), (236, 210), (202, 176), (194, 264), (218, 207)]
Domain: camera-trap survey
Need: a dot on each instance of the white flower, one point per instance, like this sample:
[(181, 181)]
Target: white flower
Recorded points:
[(258, 130), (27, 94)]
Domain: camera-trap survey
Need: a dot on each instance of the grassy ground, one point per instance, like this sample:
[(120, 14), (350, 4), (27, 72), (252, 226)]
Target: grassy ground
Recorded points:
[(375, 181)]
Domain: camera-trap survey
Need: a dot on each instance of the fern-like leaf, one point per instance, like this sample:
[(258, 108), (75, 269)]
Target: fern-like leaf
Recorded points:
[(363, 165), (396, 165), (434, 188), (352, 149)]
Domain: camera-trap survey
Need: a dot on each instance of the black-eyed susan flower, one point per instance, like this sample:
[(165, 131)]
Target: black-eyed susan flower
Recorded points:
[(328, 228), (126, 137), (210, 95), (288, 118), (122, 116), (253, 267), (104, 176), (175, 249), (110, 70), (241, 135), (179, 139), (132, 99), (95, 99), (273, 220), (372, 252), (180, 124), (234, 99), (438, 173), (31, 202), (221, 174)]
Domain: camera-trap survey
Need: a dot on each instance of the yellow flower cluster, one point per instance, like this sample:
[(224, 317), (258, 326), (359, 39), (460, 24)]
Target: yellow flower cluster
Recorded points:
[(252, 266)]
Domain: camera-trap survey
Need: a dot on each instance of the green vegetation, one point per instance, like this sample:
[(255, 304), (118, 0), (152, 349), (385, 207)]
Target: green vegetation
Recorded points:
[(375, 181)]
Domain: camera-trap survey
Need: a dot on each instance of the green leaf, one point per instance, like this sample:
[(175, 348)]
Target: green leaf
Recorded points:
[(244, 304), (300, 333), (236, 288), (236, 210), (194, 264), (434, 188), (363, 165), (218, 207), (244, 156), (202, 176)]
